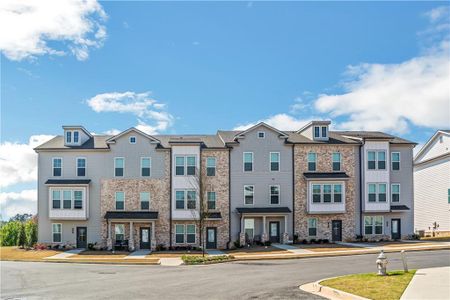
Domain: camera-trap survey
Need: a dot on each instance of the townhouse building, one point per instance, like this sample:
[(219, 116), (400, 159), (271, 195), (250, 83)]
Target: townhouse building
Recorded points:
[(260, 184)]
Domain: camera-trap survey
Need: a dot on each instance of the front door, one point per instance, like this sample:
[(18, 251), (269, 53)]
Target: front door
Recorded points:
[(396, 229), (211, 238), (336, 233), (144, 238), (81, 237), (274, 232)]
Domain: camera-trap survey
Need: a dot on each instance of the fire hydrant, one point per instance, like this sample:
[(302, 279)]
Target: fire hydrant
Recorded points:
[(381, 263)]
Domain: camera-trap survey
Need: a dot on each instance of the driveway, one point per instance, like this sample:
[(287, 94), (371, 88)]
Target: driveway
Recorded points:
[(275, 279)]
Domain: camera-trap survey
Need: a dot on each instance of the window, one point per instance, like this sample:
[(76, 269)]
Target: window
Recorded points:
[(373, 224), (248, 161), (179, 199), (68, 137), (274, 161), (371, 160), (191, 199), (368, 225), (81, 166), (76, 135), (179, 233), (324, 131), (211, 197), (261, 134), (377, 192), (336, 161), (190, 165), (78, 199), (381, 160), (57, 166), (274, 194), (376, 160), (312, 226), (119, 164), (382, 192), (190, 234), (67, 199), (312, 158), (372, 192), (316, 193), (120, 200), (327, 193), (132, 140), (146, 163), (179, 165), (57, 232), (249, 227), (119, 231), (211, 166), (337, 193), (316, 131), (395, 158), (248, 194), (448, 192), (145, 200), (378, 224), (56, 199), (395, 190)]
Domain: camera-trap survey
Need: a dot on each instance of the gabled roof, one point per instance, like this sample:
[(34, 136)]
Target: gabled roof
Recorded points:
[(374, 135), (77, 127), (57, 143), (243, 133), (114, 138), (322, 122), (430, 141)]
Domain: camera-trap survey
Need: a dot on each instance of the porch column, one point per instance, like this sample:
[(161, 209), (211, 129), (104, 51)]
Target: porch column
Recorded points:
[(242, 240), (285, 238), (264, 234), (285, 224), (109, 238), (131, 240), (153, 239)]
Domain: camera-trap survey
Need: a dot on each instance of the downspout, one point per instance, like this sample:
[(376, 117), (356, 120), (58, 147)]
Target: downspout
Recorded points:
[(170, 198), (293, 191), (361, 166), (229, 198)]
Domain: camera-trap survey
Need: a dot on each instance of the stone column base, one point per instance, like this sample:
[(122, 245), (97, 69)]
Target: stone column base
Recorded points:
[(109, 243), (131, 245), (264, 237), (153, 245), (242, 238), (285, 238)]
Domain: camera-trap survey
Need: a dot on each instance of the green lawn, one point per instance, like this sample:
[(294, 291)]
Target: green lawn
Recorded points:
[(372, 286)]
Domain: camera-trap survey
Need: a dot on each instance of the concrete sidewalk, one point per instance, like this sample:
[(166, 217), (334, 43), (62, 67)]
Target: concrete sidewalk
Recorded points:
[(65, 254), (433, 283), (292, 249), (138, 254)]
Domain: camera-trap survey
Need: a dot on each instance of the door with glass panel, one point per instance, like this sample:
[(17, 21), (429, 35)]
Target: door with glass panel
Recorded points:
[(274, 232), (211, 238), (144, 238), (395, 229), (81, 237)]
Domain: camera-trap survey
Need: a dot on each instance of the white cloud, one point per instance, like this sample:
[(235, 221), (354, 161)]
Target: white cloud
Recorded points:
[(18, 162), (438, 13), (18, 203), (28, 26), (279, 121), (139, 104)]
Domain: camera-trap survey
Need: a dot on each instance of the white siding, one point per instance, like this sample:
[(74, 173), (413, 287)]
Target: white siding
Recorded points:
[(436, 148)]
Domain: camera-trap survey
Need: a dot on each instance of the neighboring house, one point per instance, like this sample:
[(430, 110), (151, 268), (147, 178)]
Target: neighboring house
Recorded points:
[(432, 186), (260, 184)]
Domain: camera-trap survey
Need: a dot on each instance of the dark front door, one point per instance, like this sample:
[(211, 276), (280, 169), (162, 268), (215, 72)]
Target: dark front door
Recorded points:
[(396, 229), (336, 233), (81, 237), (274, 232), (211, 238), (144, 238)]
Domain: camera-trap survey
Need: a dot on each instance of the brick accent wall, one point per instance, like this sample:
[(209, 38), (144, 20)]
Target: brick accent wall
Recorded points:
[(324, 164)]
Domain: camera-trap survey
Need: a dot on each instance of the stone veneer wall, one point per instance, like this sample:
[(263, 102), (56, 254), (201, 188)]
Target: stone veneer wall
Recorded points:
[(324, 164), (159, 189)]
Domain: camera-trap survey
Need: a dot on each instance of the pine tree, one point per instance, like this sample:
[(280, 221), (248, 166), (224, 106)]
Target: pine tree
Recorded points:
[(21, 238)]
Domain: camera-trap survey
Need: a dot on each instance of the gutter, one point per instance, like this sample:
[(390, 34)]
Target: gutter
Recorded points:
[(170, 198), (361, 166), (293, 192), (229, 198)]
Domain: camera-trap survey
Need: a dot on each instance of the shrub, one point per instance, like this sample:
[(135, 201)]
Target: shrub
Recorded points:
[(304, 241), (237, 244), (40, 246), (325, 241), (21, 237), (197, 259), (295, 238), (91, 246), (313, 241), (31, 233), (359, 237), (9, 233)]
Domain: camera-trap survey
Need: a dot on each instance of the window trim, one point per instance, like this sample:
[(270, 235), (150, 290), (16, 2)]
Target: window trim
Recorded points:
[(208, 201), (60, 232), (150, 167), (243, 161), (85, 166), (208, 167), (115, 158), (135, 140), (270, 194), (314, 132), (270, 161), (115, 201), (76, 133), (392, 192), (326, 132), (53, 166), (373, 225), (187, 165), (308, 162), (392, 160), (317, 221), (377, 192), (140, 200), (252, 228), (195, 234), (115, 233), (184, 199), (82, 198), (321, 185), (340, 161), (253, 194), (376, 151), (263, 135), (184, 165)]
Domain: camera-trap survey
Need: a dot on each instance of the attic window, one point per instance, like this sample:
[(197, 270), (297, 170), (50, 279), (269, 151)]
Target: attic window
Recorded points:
[(68, 137), (261, 134), (132, 140), (324, 131), (316, 131)]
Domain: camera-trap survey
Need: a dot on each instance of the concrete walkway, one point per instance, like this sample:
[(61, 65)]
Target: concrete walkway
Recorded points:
[(433, 283), (214, 252), (65, 254), (292, 249), (138, 254), (171, 262)]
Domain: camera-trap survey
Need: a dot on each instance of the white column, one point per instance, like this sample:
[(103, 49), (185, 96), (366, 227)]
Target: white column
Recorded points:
[(109, 230), (131, 240), (285, 224), (153, 230), (264, 225), (242, 223)]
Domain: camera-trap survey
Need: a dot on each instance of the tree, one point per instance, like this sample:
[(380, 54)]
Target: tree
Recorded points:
[(9, 233), (31, 233), (21, 238), (21, 217)]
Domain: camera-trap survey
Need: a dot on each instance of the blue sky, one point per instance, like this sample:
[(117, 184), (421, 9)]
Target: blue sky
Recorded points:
[(221, 65)]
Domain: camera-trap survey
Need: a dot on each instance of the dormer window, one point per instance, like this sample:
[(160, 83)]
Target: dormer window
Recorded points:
[(76, 135), (261, 134), (316, 131), (132, 140), (69, 137), (324, 131)]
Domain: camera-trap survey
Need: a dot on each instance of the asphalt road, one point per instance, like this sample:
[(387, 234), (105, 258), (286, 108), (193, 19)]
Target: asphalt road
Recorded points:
[(274, 279)]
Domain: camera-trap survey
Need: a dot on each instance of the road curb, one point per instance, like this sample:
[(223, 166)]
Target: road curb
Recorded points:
[(327, 292)]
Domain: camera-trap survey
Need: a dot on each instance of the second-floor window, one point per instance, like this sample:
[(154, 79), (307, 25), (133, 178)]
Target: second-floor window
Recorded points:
[(395, 159), (119, 165), (78, 199), (377, 192), (274, 161), (57, 167), (248, 161), (67, 197), (120, 200), (190, 169), (191, 199), (376, 160), (145, 166), (312, 159), (185, 199), (81, 166), (248, 194), (56, 199), (395, 191), (211, 166), (145, 200), (327, 193), (185, 165), (274, 194), (211, 197), (179, 165), (336, 161), (179, 200)]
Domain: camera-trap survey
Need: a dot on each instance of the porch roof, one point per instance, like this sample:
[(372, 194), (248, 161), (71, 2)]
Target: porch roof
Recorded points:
[(399, 207), (325, 175), (263, 210), (132, 215), (214, 216), (68, 181)]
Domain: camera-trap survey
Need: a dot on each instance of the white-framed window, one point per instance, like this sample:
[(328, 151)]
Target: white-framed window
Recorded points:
[(316, 193), (395, 192), (185, 199), (261, 134), (56, 232), (76, 137), (119, 166), (57, 164), (327, 192), (68, 137), (324, 131), (146, 164), (180, 199), (119, 232), (67, 199), (336, 157), (382, 192), (274, 161), (81, 167), (191, 197), (211, 198), (190, 234), (132, 140), (312, 161), (248, 161), (337, 193), (179, 233), (120, 200), (249, 194), (274, 194), (77, 199), (56, 199), (210, 166), (190, 162), (312, 227), (249, 227), (381, 159), (376, 160), (373, 225), (377, 192), (180, 164), (145, 200), (316, 131), (395, 161)]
